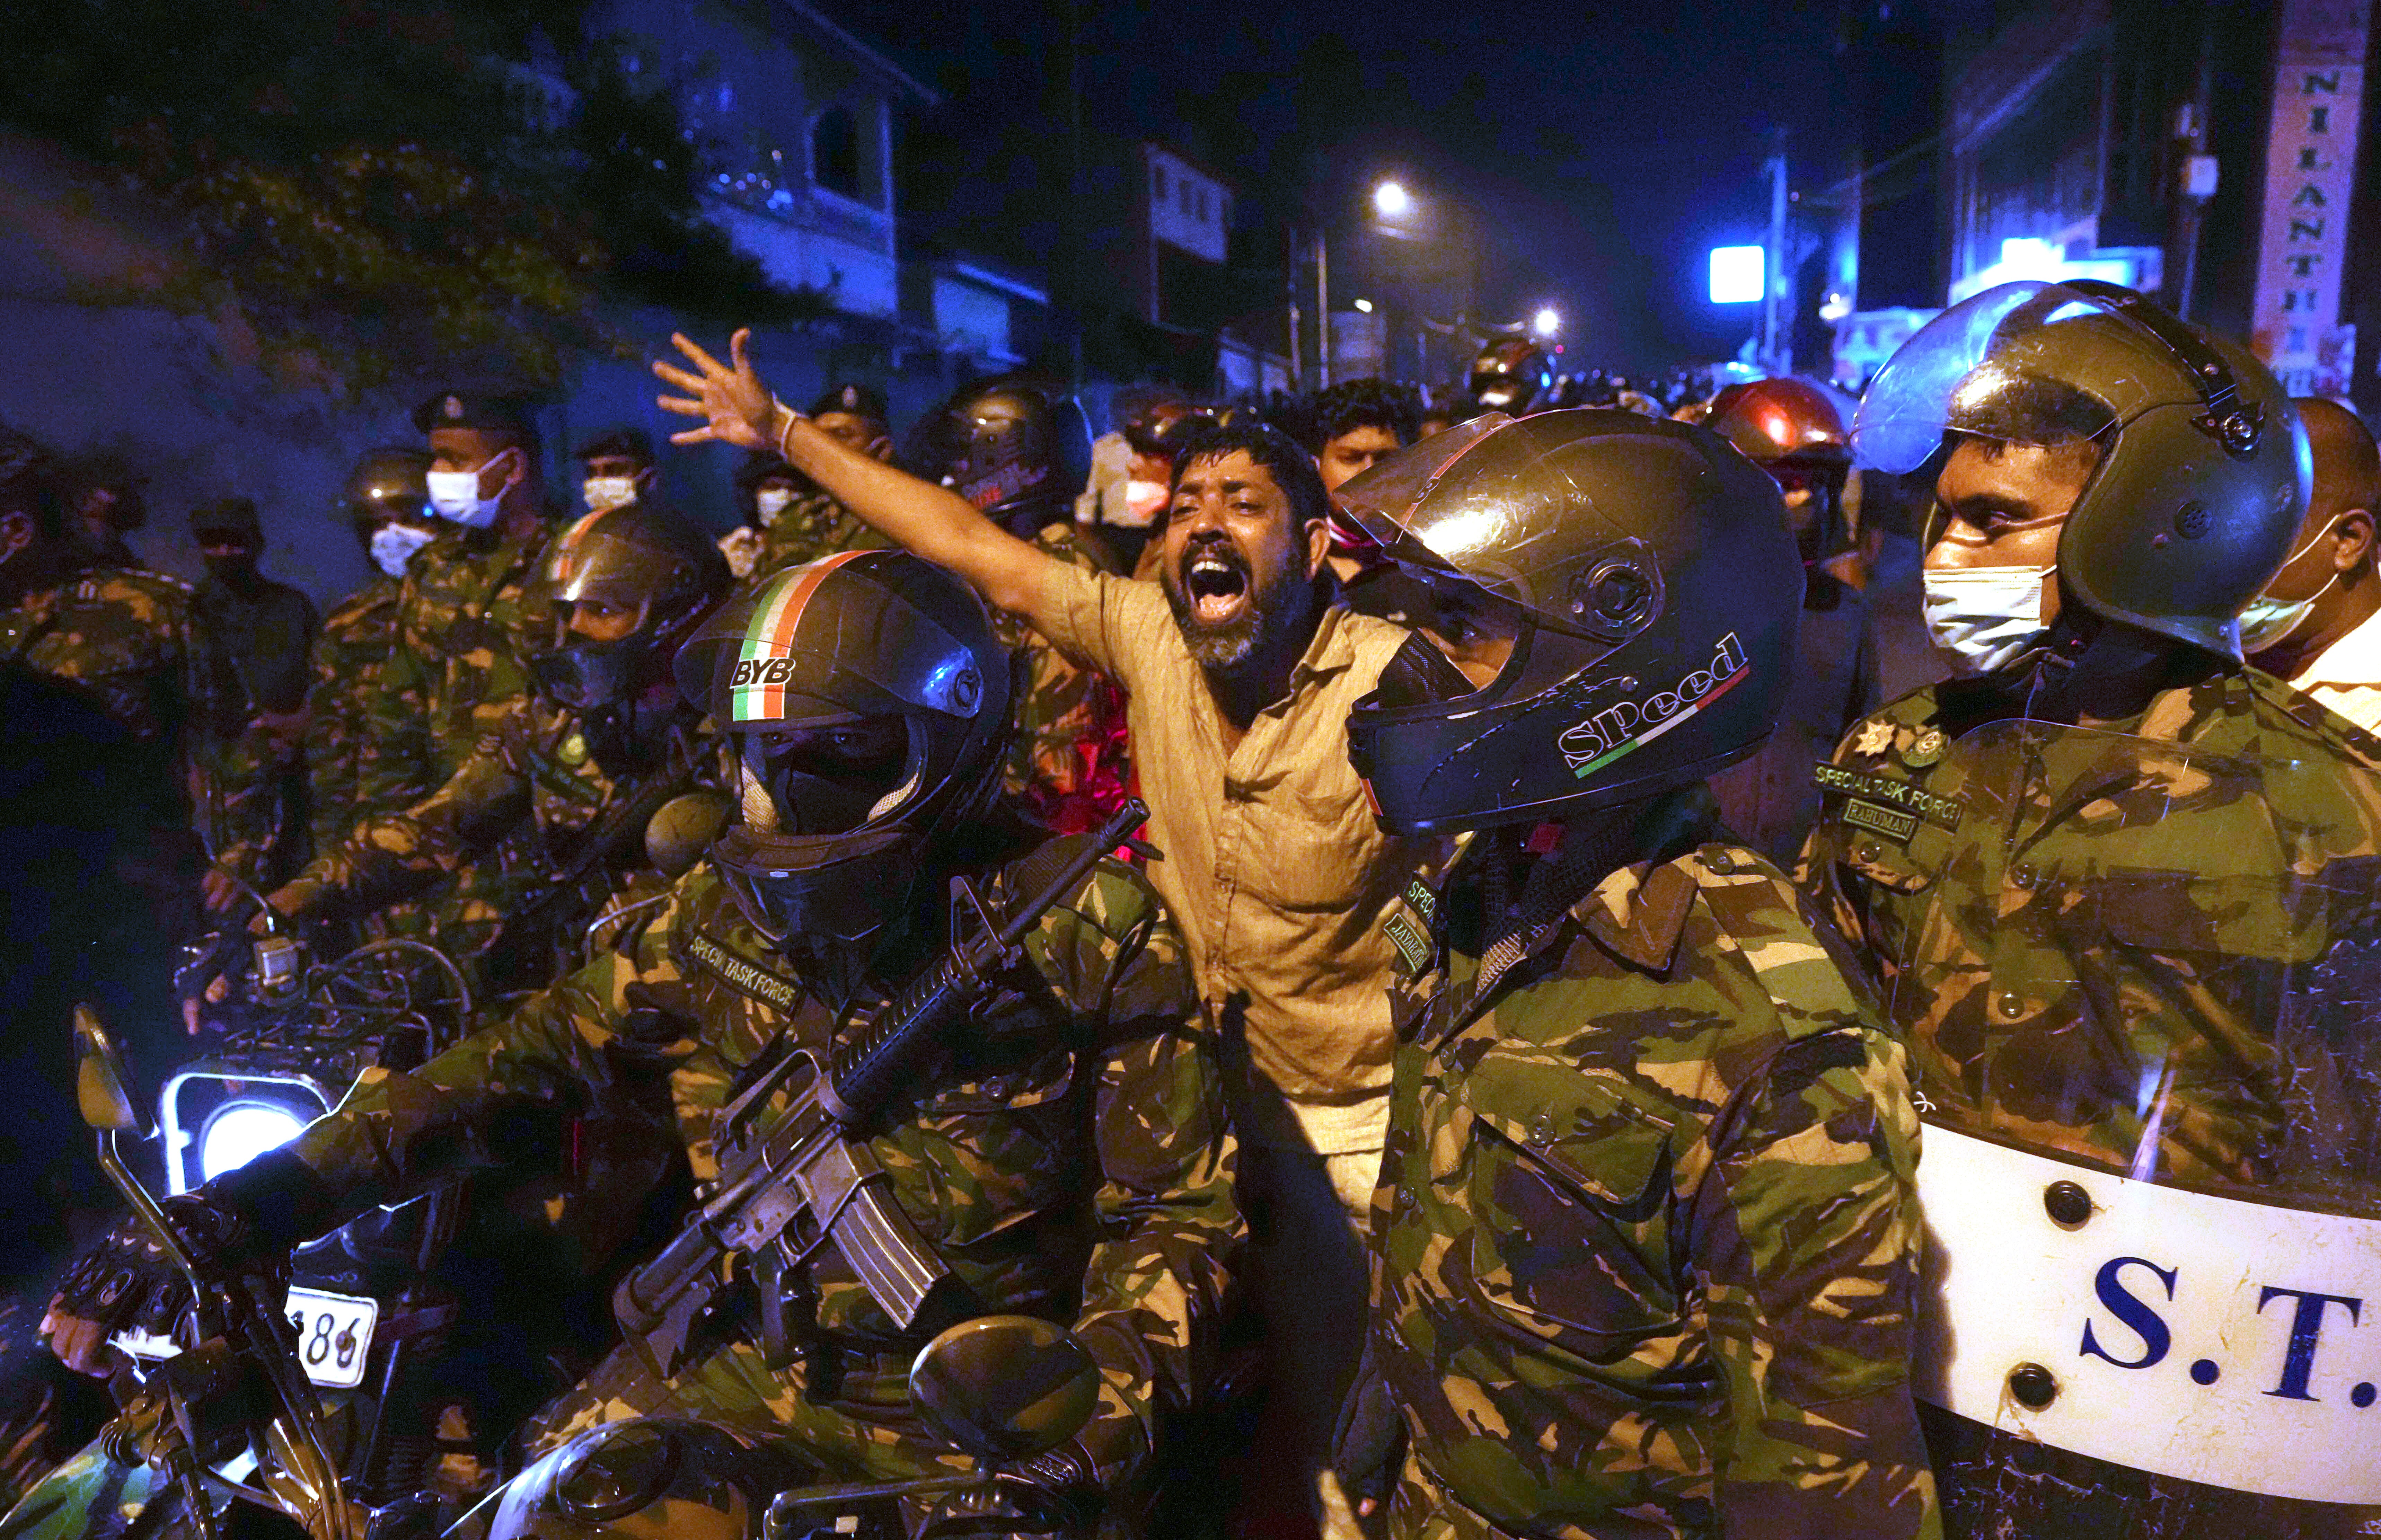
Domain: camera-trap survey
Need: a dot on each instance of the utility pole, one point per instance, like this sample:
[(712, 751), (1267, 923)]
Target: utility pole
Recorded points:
[(1322, 303), (1289, 296), (1775, 356), (1070, 260)]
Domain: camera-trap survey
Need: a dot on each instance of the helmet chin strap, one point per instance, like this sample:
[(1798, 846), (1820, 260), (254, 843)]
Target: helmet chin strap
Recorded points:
[(2090, 669), (1592, 846)]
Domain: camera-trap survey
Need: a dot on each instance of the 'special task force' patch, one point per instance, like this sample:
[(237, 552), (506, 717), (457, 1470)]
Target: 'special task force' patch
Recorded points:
[(1883, 793)]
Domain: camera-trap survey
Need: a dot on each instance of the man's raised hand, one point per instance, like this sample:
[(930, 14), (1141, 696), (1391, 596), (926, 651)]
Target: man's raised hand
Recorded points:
[(736, 407)]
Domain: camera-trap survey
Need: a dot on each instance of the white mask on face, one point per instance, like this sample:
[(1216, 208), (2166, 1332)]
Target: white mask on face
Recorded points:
[(2266, 619), (771, 501), (607, 493), (456, 496), (1143, 501), (393, 545), (1984, 616)]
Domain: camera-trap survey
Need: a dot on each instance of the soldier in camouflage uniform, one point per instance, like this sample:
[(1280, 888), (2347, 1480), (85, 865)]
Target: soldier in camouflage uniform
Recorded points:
[(789, 521), (1646, 1247), (387, 502), (475, 605), (2096, 875), (1017, 448), (1067, 1156), (580, 768), (131, 642)]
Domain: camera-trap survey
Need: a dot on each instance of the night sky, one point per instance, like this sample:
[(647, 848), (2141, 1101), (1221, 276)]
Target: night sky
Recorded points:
[(1603, 149)]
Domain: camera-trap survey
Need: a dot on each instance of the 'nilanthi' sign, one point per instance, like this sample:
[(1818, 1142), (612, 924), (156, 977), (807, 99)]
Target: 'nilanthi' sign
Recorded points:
[(2310, 177)]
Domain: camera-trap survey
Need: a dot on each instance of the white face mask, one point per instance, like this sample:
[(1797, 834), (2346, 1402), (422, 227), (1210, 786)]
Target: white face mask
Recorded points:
[(2267, 620), (607, 493), (456, 496), (771, 501), (1143, 501), (1984, 616), (393, 545)]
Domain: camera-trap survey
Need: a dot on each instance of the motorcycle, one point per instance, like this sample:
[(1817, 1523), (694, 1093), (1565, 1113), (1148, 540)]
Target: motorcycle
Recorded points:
[(317, 1396), (237, 1428), (997, 1388)]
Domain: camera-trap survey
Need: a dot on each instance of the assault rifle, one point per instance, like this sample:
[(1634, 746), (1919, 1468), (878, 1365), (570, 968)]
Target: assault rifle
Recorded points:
[(801, 1166)]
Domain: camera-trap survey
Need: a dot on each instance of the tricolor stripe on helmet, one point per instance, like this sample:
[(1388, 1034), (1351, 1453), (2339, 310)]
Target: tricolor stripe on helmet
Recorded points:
[(567, 550), (772, 633)]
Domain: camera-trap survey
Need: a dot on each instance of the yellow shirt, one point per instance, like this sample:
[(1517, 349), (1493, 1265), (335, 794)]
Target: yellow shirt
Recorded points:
[(2346, 676), (1274, 869)]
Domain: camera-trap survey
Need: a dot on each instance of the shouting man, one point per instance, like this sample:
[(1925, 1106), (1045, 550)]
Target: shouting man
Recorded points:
[(1240, 676)]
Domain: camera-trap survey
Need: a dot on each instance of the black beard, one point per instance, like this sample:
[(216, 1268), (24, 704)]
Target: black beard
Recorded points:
[(1276, 610)]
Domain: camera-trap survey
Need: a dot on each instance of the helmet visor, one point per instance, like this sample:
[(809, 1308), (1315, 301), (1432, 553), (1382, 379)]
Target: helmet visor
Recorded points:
[(1515, 507), (623, 574), (1986, 367), (833, 778)]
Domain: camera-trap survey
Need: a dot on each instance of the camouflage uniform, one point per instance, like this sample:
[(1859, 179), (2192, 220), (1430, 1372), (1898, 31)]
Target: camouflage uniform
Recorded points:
[(1070, 1160), (805, 529), (469, 616), (1645, 1249), (534, 790), (1962, 916), (357, 638), (132, 641), (1069, 761)]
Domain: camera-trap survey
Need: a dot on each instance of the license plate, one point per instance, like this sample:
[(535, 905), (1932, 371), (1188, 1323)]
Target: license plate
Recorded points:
[(334, 1335)]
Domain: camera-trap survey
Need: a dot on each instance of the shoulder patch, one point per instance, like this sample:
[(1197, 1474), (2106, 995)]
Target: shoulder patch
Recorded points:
[(697, 949), (1887, 806)]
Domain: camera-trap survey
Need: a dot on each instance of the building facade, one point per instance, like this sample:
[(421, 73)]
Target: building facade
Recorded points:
[(2204, 152)]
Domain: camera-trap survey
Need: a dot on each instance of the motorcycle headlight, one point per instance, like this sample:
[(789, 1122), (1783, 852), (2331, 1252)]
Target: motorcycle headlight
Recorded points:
[(236, 1133)]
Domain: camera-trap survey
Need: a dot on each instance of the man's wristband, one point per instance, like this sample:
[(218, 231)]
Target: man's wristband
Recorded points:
[(782, 418)]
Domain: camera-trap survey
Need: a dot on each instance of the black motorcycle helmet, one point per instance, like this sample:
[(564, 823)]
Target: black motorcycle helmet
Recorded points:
[(644, 558), (1656, 590), (386, 484), (1512, 375), (868, 704), (1017, 447)]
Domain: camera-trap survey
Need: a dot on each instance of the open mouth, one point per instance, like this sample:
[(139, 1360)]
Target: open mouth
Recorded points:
[(1217, 586)]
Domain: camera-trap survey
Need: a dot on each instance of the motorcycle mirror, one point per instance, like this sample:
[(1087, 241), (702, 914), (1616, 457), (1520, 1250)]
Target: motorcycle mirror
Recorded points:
[(102, 1083), (683, 828), (1003, 1387)]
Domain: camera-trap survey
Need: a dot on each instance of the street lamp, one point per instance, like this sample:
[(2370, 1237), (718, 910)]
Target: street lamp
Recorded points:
[(1391, 201), (1548, 322), (1364, 305)]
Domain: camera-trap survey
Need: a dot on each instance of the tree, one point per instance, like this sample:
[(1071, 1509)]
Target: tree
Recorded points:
[(376, 189)]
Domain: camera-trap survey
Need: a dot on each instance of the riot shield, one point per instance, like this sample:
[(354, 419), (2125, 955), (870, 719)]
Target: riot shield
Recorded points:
[(2141, 984)]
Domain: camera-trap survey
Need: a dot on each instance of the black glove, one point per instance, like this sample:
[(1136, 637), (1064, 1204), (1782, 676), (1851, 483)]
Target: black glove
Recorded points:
[(1368, 1445), (1054, 1493), (247, 1220)]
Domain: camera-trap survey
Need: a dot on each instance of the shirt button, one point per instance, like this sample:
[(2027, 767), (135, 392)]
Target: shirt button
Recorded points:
[(1722, 863), (1866, 852), (2021, 877), (1542, 1127), (2011, 1006)]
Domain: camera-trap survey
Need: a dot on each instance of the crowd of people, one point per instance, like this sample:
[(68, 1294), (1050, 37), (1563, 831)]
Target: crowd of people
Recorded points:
[(1515, 1016)]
